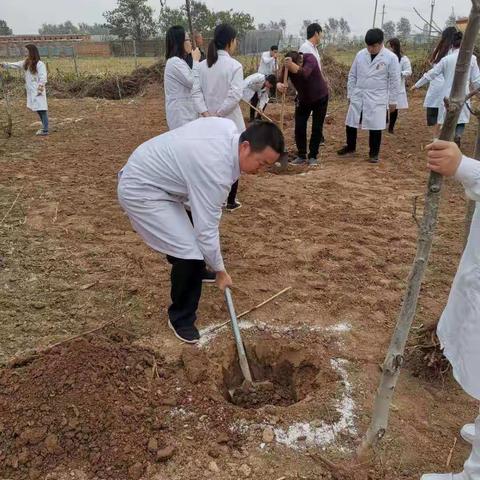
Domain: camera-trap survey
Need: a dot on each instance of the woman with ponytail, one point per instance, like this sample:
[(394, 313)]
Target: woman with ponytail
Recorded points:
[(218, 87), (35, 73), (405, 71)]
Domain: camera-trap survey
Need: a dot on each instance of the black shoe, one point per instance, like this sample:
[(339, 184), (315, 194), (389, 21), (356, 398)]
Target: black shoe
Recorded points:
[(231, 207), (373, 159), (322, 142), (390, 131), (345, 151), (187, 334), (208, 276)]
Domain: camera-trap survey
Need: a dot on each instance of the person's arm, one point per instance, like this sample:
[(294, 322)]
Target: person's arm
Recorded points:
[(267, 58), (432, 74), (393, 83), (234, 95), (42, 75), (447, 159), (13, 65), (197, 94), (352, 78), (309, 64), (182, 73), (263, 99), (406, 67), (475, 73)]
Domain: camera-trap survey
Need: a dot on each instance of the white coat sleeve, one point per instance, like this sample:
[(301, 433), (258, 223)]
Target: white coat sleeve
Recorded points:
[(267, 58), (14, 65), (197, 92), (475, 74), (183, 73), (206, 198), (406, 67), (432, 74), (42, 73), (234, 93), (352, 78), (263, 100), (393, 81), (469, 174)]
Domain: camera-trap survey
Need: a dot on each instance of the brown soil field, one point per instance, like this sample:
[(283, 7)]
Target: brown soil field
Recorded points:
[(129, 401)]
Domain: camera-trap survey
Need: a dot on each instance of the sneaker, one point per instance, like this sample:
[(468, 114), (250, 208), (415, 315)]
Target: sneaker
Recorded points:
[(208, 276), (312, 162), (373, 159), (41, 133), (299, 161), (187, 334), (231, 207), (345, 151)]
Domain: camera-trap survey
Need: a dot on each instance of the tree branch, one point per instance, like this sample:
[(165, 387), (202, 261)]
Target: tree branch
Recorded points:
[(427, 22)]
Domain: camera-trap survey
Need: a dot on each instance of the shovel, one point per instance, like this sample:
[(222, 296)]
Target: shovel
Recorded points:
[(248, 386)]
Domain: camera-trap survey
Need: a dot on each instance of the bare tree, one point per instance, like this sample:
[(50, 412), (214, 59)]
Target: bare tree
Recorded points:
[(395, 355)]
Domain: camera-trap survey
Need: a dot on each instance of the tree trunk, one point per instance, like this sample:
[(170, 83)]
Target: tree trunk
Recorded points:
[(190, 24), (471, 203), (395, 355)]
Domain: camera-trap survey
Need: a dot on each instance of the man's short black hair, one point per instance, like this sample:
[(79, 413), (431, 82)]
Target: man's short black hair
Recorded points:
[(272, 79), (312, 29), (261, 134), (373, 36), (274, 47)]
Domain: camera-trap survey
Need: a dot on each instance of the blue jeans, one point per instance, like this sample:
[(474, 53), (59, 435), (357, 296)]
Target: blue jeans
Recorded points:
[(43, 114)]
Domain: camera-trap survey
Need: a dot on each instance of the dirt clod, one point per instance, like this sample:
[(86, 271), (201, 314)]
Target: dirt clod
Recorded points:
[(165, 454), (268, 435), (135, 471)]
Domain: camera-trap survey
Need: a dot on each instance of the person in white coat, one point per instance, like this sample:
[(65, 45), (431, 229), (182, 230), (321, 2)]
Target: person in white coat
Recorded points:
[(459, 326), (218, 87), (35, 72), (196, 163), (446, 70), (256, 91), (405, 72), (268, 62), (373, 87), (178, 78), (314, 35), (434, 97)]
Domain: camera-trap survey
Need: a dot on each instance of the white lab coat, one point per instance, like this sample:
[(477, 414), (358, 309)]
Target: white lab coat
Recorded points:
[(445, 69), (219, 89), (459, 326), (35, 101), (195, 164), (255, 84), (309, 47), (372, 87), (178, 84), (268, 64), (405, 71)]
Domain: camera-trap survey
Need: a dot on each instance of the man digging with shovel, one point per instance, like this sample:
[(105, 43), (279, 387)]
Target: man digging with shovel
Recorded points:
[(196, 165)]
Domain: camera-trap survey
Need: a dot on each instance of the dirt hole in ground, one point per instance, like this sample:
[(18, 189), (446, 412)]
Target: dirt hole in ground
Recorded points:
[(284, 375)]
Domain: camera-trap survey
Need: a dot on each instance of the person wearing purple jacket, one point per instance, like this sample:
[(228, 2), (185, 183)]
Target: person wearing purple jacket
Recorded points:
[(305, 75)]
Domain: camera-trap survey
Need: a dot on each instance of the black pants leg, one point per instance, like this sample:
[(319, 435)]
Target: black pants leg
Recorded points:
[(351, 138), (375, 142), (319, 112), (186, 278), (254, 102), (232, 196), (302, 114), (393, 121)]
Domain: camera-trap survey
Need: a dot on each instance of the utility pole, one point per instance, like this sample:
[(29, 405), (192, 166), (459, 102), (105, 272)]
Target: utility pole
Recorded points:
[(383, 15), (375, 13), (431, 20)]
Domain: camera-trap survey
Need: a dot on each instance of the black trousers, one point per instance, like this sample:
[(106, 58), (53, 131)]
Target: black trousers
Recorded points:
[(318, 110), (232, 196), (186, 289), (375, 140), (392, 120)]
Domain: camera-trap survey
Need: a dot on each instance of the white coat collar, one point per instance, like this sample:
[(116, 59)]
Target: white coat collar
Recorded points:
[(379, 56), (223, 53), (236, 160)]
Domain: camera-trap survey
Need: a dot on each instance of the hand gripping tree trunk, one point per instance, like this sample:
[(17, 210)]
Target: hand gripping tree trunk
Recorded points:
[(395, 355)]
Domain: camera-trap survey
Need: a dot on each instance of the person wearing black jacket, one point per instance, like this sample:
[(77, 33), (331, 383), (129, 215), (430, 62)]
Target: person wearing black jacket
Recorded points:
[(199, 44)]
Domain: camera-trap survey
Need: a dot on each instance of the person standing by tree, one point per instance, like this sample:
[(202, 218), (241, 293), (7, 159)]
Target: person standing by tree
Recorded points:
[(312, 90), (459, 326), (218, 87), (268, 61), (35, 73), (405, 72), (198, 37), (445, 69), (434, 98), (256, 91), (373, 87), (178, 78)]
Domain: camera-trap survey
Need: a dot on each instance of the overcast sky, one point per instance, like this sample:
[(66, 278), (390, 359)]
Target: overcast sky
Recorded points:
[(26, 16)]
